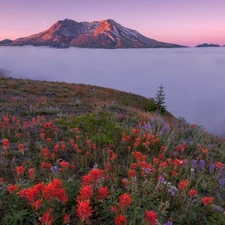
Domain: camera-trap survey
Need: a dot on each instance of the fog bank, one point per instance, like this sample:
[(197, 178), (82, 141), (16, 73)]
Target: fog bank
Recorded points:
[(194, 78)]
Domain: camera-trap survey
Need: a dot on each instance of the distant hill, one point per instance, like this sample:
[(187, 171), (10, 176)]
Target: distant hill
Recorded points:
[(207, 45), (96, 34), (5, 41)]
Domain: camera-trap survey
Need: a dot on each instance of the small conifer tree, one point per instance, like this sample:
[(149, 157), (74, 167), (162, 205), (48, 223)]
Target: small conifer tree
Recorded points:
[(160, 100)]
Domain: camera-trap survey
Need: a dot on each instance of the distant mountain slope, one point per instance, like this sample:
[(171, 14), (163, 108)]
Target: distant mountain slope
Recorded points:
[(5, 41), (207, 45), (96, 34)]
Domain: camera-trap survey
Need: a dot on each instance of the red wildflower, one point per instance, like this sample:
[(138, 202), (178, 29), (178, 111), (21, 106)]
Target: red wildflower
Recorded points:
[(42, 136), (192, 193), (163, 164), (156, 161), (86, 192), (161, 156), (177, 162), (76, 129), (133, 165), (20, 170), (103, 192), (72, 142), (120, 220), (151, 217), (31, 194), (138, 155), (84, 210), (19, 135), (114, 208), (45, 153), (49, 140), (56, 148), (89, 143), (113, 157), (1, 179), (124, 201), (21, 148), (143, 164), (174, 173), (64, 164), (86, 180), (73, 167), (45, 165), (75, 146), (37, 204), (5, 143), (66, 219), (183, 184), (31, 172), (132, 173), (12, 188), (219, 165), (47, 218), (207, 200), (54, 190), (96, 174)]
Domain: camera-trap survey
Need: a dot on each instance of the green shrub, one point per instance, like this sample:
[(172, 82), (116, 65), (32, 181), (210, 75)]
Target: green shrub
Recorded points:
[(150, 105)]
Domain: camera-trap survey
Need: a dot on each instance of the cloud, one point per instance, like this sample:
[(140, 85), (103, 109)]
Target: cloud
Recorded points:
[(45, 23)]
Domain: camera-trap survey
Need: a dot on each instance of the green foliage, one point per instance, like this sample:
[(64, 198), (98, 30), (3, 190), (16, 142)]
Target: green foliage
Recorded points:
[(17, 217), (150, 105), (102, 128), (126, 101), (160, 100), (214, 218)]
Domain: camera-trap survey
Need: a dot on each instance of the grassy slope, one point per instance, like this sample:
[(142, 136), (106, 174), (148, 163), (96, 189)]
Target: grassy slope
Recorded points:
[(107, 119)]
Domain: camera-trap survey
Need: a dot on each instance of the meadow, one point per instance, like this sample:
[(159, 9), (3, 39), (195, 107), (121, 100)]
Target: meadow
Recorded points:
[(82, 154)]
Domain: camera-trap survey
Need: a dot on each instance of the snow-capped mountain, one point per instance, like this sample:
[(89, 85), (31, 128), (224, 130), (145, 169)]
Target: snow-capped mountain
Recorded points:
[(96, 34)]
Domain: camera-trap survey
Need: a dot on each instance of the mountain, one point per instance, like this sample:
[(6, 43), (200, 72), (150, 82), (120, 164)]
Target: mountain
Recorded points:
[(5, 41), (96, 34), (207, 45)]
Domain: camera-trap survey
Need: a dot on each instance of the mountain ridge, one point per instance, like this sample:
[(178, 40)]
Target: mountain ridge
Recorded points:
[(95, 34), (207, 45)]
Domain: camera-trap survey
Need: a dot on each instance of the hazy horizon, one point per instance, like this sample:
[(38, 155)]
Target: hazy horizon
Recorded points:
[(186, 23), (193, 77)]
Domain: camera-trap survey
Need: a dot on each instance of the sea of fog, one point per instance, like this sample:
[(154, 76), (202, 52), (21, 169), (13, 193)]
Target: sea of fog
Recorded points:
[(194, 78)]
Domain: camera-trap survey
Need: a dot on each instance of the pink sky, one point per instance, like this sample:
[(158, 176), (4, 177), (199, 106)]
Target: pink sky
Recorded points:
[(182, 22)]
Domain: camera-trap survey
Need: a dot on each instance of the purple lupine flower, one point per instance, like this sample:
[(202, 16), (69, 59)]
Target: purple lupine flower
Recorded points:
[(161, 179), (54, 169), (95, 166), (194, 164), (222, 182), (148, 170), (169, 223), (201, 164), (212, 167), (171, 191), (209, 146)]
